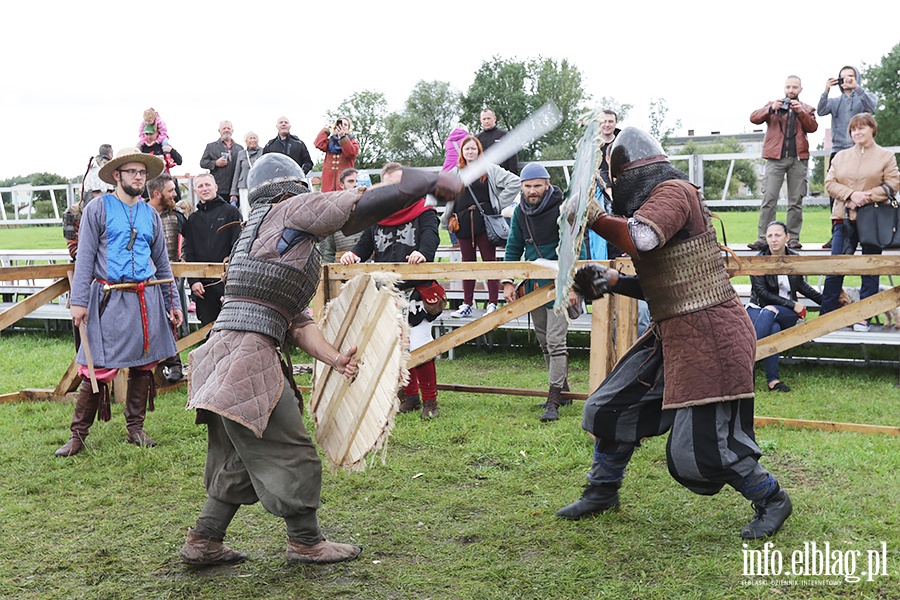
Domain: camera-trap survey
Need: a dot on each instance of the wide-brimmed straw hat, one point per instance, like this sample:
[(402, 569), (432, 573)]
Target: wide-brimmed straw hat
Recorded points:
[(154, 164)]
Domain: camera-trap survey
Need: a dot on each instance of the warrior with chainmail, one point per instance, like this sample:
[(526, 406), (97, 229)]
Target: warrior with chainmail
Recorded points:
[(258, 448), (692, 373)]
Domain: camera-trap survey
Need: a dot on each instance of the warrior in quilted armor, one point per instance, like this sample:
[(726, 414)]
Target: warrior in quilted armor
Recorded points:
[(691, 373), (258, 448)]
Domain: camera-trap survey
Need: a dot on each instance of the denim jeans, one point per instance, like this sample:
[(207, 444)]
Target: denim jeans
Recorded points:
[(768, 322), (845, 240)]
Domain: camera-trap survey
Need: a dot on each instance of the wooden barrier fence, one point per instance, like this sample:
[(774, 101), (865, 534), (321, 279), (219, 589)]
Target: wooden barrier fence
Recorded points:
[(604, 349)]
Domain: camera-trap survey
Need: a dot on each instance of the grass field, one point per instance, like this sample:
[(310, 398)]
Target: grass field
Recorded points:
[(462, 508)]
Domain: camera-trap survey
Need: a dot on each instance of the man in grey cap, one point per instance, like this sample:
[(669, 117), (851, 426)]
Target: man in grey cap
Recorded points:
[(534, 234)]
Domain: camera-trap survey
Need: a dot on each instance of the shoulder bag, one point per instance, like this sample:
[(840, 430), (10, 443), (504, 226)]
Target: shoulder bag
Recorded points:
[(878, 224), (495, 226)]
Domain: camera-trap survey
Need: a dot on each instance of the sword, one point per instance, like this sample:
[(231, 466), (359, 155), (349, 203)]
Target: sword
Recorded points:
[(84, 342), (545, 119), (129, 285)]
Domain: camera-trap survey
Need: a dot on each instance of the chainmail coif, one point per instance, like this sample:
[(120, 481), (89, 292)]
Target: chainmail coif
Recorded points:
[(631, 190)]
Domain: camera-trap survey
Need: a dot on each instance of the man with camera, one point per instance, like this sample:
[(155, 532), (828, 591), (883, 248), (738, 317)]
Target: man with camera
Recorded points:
[(786, 150), (340, 148)]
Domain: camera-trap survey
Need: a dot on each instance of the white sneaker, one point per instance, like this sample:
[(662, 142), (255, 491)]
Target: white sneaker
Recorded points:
[(490, 308), (464, 310), (860, 327)]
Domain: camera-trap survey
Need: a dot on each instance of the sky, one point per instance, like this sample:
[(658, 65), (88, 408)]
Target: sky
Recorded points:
[(78, 75)]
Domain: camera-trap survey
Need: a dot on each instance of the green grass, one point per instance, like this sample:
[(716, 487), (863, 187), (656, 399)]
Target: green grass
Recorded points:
[(462, 508), (32, 237)]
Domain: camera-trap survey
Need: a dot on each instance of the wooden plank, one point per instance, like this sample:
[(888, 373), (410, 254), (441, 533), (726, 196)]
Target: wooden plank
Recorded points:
[(202, 270), (448, 270), (827, 426), (842, 317), (34, 272), (626, 316), (34, 394), (602, 351), (194, 338), (872, 264), (26, 307), (481, 389), (480, 326), (69, 381), (7, 398)]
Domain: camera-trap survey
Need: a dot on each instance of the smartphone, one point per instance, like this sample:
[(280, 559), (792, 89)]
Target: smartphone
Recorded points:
[(840, 81)]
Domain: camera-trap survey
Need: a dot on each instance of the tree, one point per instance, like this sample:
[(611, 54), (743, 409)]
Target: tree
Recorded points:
[(715, 172), (884, 80), (368, 112), (659, 129), (500, 86), (514, 89), (416, 135), (610, 103)]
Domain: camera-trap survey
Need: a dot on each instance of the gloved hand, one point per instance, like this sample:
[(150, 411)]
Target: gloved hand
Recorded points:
[(592, 281), (448, 186)]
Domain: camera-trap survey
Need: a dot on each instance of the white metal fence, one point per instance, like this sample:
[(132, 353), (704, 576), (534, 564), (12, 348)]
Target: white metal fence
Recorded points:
[(18, 202)]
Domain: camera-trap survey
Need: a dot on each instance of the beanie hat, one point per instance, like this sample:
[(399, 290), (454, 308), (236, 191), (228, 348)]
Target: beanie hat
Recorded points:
[(534, 171)]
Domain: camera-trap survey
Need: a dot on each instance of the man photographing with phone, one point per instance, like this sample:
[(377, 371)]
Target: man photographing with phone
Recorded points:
[(852, 100), (340, 148)]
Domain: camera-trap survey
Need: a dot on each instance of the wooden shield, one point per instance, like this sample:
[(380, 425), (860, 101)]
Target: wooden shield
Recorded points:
[(354, 418)]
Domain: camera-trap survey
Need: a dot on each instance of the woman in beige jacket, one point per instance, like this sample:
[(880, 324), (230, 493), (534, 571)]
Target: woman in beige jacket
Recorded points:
[(854, 180)]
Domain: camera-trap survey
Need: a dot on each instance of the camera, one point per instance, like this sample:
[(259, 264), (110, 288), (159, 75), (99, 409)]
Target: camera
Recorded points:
[(339, 122), (840, 81), (785, 105)]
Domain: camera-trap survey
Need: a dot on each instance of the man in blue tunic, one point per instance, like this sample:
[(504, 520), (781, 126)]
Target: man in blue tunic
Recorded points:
[(128, 318)]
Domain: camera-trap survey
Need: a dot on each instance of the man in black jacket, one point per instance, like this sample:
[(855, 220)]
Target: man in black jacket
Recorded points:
[(289, 145), (206, 241), (492, 134)]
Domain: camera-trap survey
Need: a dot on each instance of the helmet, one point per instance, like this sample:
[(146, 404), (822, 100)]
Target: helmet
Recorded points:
[(273, 176), (634, 148)]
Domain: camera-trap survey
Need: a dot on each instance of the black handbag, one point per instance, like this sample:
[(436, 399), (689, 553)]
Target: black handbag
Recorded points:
[(495, 226), (878, 224)]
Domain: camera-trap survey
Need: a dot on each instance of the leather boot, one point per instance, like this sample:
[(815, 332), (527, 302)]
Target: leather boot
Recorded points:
[(321, 553), (430, 409), (409, 403), (770, 515), (563, 401), (552, 404), (140, 390), (200, 550), (85, 412), (595, 500)]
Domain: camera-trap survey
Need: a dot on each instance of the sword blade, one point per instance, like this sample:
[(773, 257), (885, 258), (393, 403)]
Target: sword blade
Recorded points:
[(546, 118)]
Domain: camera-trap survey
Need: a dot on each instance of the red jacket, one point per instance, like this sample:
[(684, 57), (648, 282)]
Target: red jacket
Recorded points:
[(336, 163), (776, 124)]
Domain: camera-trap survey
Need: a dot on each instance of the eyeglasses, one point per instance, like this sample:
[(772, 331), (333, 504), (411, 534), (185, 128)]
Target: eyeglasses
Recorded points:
[(134, 172)]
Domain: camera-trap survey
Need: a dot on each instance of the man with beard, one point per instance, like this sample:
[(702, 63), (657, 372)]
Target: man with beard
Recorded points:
[(220, 158), (207, 239), (534, 234), (786, 150), (692, 372), (258, 448), (163, 197), (121, 243)]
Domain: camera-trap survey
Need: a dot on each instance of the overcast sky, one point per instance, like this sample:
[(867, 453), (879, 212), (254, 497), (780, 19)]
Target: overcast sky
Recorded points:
[(80, 74)]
